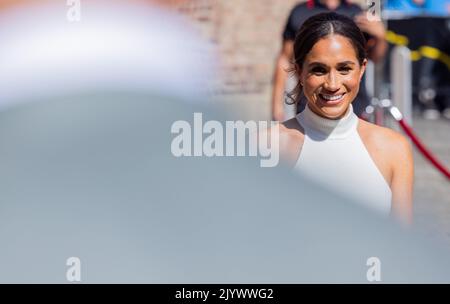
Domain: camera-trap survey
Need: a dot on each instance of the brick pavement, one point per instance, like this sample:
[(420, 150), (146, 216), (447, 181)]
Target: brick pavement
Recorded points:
[(432, 189)]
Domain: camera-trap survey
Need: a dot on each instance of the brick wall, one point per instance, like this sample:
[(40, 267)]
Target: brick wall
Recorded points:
[(247, 34)]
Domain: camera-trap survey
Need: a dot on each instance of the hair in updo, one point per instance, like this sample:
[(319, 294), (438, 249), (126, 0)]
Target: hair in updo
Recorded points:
[(318, 27)]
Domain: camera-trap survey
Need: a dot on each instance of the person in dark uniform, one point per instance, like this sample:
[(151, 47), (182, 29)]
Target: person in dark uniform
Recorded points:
[(374, 33)]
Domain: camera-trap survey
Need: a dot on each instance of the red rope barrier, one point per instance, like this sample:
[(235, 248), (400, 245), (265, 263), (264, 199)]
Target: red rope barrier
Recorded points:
[(408, 130), (398, 116)]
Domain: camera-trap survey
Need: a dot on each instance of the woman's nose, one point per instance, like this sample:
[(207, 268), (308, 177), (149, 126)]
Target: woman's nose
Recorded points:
[(332, 82)]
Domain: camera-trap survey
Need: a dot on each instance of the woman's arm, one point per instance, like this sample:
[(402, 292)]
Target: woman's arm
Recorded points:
[(282, 65), (402, 180), (377, 44)]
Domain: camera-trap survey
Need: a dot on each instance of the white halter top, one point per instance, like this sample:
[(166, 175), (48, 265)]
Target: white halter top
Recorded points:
[(334, 155)]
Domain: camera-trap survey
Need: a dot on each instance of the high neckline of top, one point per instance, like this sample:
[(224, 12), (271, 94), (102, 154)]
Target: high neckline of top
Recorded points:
[(325, 128)]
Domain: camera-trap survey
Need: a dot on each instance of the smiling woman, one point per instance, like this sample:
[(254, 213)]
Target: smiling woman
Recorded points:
[(327, 141)]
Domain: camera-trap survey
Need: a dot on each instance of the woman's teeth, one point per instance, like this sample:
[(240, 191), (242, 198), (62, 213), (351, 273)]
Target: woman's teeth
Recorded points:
[(331, 97)]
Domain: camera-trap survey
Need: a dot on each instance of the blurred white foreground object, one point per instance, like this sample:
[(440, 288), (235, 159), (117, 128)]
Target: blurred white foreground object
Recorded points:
[(115, 46)]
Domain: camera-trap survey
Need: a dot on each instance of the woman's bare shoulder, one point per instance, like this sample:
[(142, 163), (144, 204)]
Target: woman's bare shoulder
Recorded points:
[(289, 129), (291, 141), (291, 137), (383, 138), (292, 128)]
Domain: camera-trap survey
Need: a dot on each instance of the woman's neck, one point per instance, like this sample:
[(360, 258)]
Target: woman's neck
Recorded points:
[(314, 110), (322, 127)]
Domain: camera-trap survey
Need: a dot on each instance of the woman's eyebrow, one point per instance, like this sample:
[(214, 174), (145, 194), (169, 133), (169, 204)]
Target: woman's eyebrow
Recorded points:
[(348, 62), (317, 63)]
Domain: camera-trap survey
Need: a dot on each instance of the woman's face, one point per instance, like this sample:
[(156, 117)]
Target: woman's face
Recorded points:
[(330, 76)]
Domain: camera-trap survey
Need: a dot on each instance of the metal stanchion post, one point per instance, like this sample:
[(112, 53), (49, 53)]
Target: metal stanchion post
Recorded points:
[(401, 77), (370, 78)]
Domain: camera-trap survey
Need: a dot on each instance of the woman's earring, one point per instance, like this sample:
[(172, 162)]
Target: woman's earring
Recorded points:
[(288, 98)]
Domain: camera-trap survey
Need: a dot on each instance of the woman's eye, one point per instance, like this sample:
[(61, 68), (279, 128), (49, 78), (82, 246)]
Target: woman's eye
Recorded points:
[(318, 70), (345, 69)]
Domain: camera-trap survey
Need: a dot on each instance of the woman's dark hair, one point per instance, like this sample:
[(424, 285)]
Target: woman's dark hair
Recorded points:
[(320, 26)]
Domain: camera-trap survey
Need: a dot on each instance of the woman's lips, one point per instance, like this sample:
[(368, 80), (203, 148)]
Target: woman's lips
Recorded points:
[(331, 99)]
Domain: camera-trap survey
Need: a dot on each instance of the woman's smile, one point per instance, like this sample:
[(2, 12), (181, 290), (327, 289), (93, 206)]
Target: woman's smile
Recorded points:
[(331, 99)]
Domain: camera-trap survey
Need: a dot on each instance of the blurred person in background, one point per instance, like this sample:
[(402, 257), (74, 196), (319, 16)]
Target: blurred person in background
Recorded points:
[(327, 141), (426, 26), (376, 45), (417, 7)]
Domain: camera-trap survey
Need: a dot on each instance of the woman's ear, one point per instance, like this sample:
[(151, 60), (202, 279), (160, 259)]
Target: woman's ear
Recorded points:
[(363, 69)]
